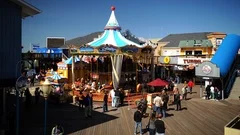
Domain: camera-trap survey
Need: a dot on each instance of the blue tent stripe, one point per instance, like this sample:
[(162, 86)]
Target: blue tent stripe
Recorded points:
[(119, 41), (100, 41), (56, 76)]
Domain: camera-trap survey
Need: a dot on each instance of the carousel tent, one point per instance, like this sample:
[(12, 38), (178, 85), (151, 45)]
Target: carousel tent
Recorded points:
[(112, 35), (110, 41), (56, 76)]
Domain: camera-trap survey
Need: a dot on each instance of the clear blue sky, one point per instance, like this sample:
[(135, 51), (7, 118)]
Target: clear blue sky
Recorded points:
[(144, 18)]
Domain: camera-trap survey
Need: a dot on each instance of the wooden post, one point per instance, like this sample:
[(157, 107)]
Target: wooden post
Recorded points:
[(136, 74), (152, 66), (73, 65)]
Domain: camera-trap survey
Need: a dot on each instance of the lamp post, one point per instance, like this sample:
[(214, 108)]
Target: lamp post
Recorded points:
[(46, 88), (18, 85)]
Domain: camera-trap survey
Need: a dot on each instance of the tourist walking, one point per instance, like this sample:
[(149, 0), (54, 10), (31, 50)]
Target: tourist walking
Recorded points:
[(80, 100), (143, 105), (208, 91), (91, 100), (28, 97), (212, 92), (87, 105), (166, 88), (138, 121), (190, 86), (160, 126), (117, 98), (105, 102), (112, 96), (122, 95), (37, 95), (178, 101), (157, 103), (57, 130), (151, 124), (164, 107), (216, 93), (184, 91)]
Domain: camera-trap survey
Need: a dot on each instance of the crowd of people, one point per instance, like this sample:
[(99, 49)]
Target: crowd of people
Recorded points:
[(212, 92), (160, 103)]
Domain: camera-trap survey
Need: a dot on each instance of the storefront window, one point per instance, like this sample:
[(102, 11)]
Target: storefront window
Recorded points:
[(188, 53), (197, 52), (218, 41)]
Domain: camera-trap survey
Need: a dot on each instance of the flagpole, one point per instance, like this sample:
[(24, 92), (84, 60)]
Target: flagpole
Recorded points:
[(30, 47)]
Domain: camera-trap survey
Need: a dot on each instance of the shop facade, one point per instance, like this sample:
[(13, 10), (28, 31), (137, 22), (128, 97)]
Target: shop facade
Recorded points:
[(181, 53)]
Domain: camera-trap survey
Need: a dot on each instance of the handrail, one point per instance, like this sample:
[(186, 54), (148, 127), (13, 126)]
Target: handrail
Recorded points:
[(231, 77), (230, 83)]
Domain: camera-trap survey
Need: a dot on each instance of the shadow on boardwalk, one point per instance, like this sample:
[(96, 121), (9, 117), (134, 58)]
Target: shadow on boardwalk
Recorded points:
[(69, 116)]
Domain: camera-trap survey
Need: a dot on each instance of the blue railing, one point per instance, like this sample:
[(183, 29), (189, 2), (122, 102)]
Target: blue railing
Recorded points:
[(232, 79), (230, 83)]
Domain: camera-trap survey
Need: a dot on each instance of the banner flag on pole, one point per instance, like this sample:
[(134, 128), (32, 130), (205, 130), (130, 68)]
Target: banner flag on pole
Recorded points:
[(35, 46)]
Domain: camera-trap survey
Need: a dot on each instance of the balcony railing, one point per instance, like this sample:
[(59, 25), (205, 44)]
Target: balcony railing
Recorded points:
[(28, 56)]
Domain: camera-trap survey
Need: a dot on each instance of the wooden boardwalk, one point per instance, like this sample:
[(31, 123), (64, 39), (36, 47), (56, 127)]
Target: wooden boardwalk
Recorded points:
[(198, 117)]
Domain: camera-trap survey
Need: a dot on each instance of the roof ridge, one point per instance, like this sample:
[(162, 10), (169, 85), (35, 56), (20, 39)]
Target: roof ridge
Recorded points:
[(190, 33)]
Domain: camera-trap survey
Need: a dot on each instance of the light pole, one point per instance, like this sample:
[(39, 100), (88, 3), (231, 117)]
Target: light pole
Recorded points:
[(46, 88)]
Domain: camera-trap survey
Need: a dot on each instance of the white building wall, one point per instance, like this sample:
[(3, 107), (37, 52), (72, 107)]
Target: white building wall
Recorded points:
[(170, 51)]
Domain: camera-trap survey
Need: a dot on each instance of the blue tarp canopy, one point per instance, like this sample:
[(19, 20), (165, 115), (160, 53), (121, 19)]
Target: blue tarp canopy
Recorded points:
[(48, 50)]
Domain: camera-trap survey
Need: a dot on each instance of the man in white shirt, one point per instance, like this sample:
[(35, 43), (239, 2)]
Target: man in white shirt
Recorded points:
[(212, 92), (112, 95), (157, 103)]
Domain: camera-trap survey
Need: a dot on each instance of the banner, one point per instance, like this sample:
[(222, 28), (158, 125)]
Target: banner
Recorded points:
[(35, 46)]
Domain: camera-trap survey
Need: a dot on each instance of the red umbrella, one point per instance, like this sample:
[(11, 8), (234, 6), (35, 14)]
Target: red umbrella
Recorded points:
[(157, 82)]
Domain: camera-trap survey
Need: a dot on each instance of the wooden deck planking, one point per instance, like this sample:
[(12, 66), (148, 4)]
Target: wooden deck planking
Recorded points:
[(201, 118)]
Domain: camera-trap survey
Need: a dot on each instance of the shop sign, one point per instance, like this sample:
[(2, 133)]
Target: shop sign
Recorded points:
[(195, 61), (166, 60), (206, 69)]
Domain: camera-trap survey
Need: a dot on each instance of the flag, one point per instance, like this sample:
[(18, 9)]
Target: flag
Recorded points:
[(35, 46)]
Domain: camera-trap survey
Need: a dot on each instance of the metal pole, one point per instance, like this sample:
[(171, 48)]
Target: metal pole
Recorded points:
[(222, 94), (73, 65), (152, 66), (222, 88), (17, 107), (17, 111), (17, 99), (201, 88), (45, 117), (4, 105)]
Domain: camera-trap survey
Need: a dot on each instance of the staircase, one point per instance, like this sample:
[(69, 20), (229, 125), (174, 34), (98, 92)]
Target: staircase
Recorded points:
[(235, 92)]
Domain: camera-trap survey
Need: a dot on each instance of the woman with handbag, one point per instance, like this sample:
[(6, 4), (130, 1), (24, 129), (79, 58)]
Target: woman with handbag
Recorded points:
[(151, 126)]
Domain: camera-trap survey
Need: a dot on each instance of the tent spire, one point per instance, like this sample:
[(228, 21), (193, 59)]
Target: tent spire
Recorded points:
[(112, 23)]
